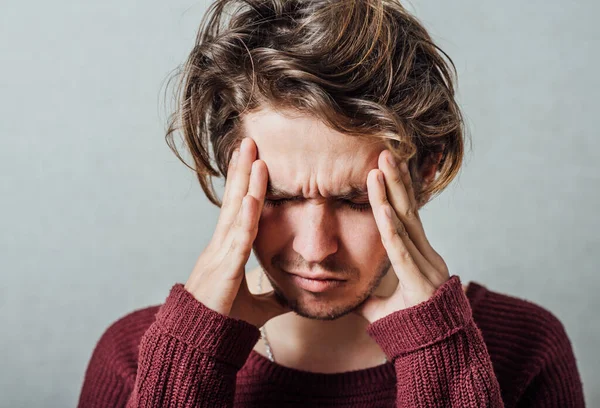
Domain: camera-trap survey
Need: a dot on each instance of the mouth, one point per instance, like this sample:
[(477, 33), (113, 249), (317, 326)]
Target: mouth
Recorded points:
[(315, 284)]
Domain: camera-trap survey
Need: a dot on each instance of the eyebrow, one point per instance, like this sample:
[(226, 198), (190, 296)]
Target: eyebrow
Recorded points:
[(353, 192)]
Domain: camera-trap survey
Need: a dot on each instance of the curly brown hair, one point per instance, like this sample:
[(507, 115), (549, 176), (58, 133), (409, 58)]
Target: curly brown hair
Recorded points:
[(366, 68)]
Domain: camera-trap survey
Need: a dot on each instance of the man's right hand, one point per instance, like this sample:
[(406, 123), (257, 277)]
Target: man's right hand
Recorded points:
[(218, 279)]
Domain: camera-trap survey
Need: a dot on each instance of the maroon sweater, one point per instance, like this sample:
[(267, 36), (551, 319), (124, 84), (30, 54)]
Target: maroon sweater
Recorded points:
[(479, 349)]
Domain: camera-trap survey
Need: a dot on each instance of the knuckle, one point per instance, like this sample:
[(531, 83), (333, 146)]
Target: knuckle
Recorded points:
[(234, 245), (410, 213), (405, 254), (400, 230)]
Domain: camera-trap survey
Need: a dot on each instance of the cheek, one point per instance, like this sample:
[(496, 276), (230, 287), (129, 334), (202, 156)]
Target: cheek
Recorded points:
[(361, 237), (357, 232), (273, 228)]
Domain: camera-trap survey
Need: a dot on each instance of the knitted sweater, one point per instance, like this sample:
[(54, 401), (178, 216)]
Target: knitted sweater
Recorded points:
[(473, 349)]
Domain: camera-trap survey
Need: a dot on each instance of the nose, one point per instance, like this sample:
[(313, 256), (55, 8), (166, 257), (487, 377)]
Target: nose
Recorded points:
[(316, 233)]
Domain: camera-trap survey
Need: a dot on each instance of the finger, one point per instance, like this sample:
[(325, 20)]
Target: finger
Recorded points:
[(230, 173), (233, 257), (238, 241), (220, 230), (238, 189), (408, 263), (258, 183), (256, 190), (400, 193), (395, 187)]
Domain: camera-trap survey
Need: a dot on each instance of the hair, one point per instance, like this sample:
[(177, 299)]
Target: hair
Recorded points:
[(366, 68)]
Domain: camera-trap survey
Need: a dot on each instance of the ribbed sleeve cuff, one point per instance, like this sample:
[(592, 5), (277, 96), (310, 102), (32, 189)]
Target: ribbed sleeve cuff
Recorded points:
[(446, 312), (223, 337)]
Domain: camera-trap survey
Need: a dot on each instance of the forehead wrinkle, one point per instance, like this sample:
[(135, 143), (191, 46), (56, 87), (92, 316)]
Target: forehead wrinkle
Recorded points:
[(351, 186), (351, 191)]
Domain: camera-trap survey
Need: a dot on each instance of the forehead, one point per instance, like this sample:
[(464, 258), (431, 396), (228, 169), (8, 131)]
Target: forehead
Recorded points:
[(304, 156)]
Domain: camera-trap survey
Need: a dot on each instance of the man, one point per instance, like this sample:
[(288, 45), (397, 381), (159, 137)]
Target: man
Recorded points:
[(333, 123)]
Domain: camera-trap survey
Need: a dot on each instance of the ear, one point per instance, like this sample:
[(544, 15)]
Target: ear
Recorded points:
[(429, 168), (427, 172)]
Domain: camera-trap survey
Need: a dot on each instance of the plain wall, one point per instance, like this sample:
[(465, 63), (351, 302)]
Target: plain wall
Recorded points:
[(100, 218)]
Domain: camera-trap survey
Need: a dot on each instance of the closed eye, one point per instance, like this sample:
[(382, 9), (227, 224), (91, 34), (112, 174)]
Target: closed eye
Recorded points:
[(360, 207)]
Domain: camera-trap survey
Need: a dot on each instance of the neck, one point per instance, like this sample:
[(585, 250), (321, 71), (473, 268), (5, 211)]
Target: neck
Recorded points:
[(319, 345), (307, 334), (327, 346)]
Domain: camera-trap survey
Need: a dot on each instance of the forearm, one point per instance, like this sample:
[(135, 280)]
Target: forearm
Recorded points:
[(439, 353), (456, 372), (172, 373), (188, 357)]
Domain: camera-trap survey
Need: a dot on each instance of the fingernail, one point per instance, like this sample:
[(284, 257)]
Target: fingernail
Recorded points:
[(390, 159), (380, 177)]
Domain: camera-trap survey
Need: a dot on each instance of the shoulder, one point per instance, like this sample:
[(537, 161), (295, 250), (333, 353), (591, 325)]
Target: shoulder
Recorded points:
[(530, 350), (495, 308), (112, 369), (518, 329)]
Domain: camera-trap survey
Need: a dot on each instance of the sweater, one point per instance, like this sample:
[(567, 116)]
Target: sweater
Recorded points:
[(457, 349)]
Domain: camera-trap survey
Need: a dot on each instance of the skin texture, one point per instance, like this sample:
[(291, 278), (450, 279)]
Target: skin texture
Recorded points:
[(287, 198), (315, 232)]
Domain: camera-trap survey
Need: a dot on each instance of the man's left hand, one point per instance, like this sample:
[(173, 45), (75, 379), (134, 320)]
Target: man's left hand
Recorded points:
[(420, 269)]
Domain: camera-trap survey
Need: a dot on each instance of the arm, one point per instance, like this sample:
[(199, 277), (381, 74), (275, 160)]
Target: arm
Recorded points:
[(188, 357), (426, 324), (439, 354), (206, 329)]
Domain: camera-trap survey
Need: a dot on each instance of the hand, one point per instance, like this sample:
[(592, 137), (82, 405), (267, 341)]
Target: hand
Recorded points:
[(218, 279), (419, 268)]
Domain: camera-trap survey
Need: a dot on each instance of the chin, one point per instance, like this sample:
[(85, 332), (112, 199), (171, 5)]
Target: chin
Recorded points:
[(324, 303), (323, 314), (319, 308)]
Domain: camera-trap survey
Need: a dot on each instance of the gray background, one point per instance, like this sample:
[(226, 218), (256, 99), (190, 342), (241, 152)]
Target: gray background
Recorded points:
[(99, 218)]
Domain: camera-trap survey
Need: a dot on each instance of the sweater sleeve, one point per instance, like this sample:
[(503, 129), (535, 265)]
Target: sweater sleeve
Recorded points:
[(188, 357), (438, 352)]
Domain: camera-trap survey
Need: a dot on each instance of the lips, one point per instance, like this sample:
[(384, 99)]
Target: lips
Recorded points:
[(320, 277), (316, 285)]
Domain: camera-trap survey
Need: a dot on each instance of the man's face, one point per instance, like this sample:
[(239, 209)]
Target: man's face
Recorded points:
[(315, 230)]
